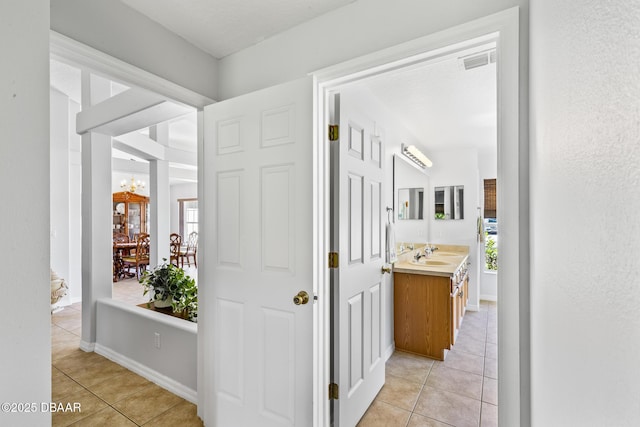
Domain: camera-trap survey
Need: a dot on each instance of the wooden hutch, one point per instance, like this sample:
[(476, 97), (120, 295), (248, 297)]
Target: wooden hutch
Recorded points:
[(130, 214)]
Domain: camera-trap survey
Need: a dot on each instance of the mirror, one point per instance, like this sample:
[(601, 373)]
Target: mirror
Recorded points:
[(449, 202), (411, 203)]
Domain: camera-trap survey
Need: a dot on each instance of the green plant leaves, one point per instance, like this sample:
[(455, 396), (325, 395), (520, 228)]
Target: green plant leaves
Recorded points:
[(169, 281)]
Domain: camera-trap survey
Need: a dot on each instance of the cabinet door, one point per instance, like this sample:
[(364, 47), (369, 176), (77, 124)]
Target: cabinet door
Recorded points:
[(454, 314)]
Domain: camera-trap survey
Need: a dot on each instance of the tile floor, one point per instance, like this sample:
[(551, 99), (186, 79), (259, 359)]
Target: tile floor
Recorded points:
[(109, 394), (461, 391), (419, 392)]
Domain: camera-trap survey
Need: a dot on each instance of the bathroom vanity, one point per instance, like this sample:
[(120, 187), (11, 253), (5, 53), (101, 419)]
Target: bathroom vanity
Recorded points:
[(430, 298)]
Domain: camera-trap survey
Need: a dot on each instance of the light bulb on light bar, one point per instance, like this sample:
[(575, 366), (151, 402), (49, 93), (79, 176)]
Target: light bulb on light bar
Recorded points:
[(416, 156)]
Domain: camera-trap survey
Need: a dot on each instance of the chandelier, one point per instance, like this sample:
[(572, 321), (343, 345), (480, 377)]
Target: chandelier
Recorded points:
[(131, 186)]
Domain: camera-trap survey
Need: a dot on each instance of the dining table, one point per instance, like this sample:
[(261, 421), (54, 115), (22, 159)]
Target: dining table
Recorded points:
[(120, 250)]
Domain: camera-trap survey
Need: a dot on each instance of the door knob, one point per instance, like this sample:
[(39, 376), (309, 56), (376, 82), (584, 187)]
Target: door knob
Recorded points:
[(301, 299), (386, 270)]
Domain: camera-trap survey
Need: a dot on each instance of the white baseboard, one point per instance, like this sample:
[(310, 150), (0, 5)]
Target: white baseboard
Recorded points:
[(492, 298), (150, 374), (89, 347), (472, 307), (389, 351)]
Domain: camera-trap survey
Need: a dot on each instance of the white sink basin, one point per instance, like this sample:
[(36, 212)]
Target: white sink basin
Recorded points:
[(430, 262), (438, 253)]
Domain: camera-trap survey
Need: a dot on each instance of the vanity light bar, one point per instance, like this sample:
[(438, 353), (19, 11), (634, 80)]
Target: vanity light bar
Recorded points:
[(416, 156)]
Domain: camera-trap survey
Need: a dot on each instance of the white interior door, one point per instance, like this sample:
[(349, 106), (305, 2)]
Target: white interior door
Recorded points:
[(258, 230), (357, 171)]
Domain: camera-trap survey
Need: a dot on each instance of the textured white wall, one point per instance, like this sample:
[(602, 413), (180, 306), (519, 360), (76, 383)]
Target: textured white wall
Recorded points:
[(585, 152), (362, 27), (25, 322)]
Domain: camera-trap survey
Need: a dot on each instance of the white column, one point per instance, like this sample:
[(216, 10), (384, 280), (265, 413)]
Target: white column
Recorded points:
[(25, 372), (97, 277), (159, 199), (59, 187)]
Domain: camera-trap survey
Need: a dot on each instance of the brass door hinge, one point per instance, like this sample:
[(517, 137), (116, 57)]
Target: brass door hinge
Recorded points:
[(333, 259), (334, 132), (333, 391)]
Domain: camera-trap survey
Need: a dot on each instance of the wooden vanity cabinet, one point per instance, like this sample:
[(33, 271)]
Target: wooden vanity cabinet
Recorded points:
[(422, 314), (428, 312)]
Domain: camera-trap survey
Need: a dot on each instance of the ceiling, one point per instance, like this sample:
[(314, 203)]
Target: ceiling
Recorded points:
[(445, 106), (222, 27)]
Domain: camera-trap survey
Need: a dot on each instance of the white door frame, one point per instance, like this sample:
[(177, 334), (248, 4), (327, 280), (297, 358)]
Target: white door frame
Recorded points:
[(513, 281)]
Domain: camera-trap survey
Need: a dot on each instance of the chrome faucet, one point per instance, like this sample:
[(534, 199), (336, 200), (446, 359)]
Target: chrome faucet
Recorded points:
[(429, 249)]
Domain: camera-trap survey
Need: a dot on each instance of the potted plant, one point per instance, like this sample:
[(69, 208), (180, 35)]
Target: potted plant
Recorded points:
[(169, 286)]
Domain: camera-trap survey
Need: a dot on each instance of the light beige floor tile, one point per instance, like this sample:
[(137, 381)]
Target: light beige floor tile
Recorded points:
[(56, 373), (70, 324), (147, 404), (469, 344), (464, 362), (65, 314), (61, 350), (491, 368), (417, 420), (477, 318), (95, 373), (107, 417), (184, 414), (408, 366), (491, 351), (381, 414), (400, 392), (118, 387), (492, 337), (64, 337), (450, 408), (490, 391), (89, 404), (76, 359), (57, 330), (455, 381), (478, 332), (62, 386), (489, 415)]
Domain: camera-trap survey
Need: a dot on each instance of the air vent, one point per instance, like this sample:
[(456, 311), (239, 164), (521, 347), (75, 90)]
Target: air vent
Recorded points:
[(479, 59)]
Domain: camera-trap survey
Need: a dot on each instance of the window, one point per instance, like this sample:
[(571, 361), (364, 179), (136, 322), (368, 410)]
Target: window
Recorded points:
[(188, 217), (490, 198), (490, 226)]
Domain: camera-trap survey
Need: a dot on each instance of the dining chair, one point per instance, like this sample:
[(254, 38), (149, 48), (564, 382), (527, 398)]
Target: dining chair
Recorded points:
[(118, 266), (141, 258), (175, 241), (191, 251)]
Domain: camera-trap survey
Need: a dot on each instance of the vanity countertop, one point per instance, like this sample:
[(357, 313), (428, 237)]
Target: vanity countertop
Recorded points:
[(443, 262)]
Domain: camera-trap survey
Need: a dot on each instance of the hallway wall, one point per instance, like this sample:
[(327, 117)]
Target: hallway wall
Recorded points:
[(585, 127), (25, 372)]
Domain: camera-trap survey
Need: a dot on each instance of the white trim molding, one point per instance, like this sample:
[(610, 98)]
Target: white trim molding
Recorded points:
[(68, 50), (503, 28)]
